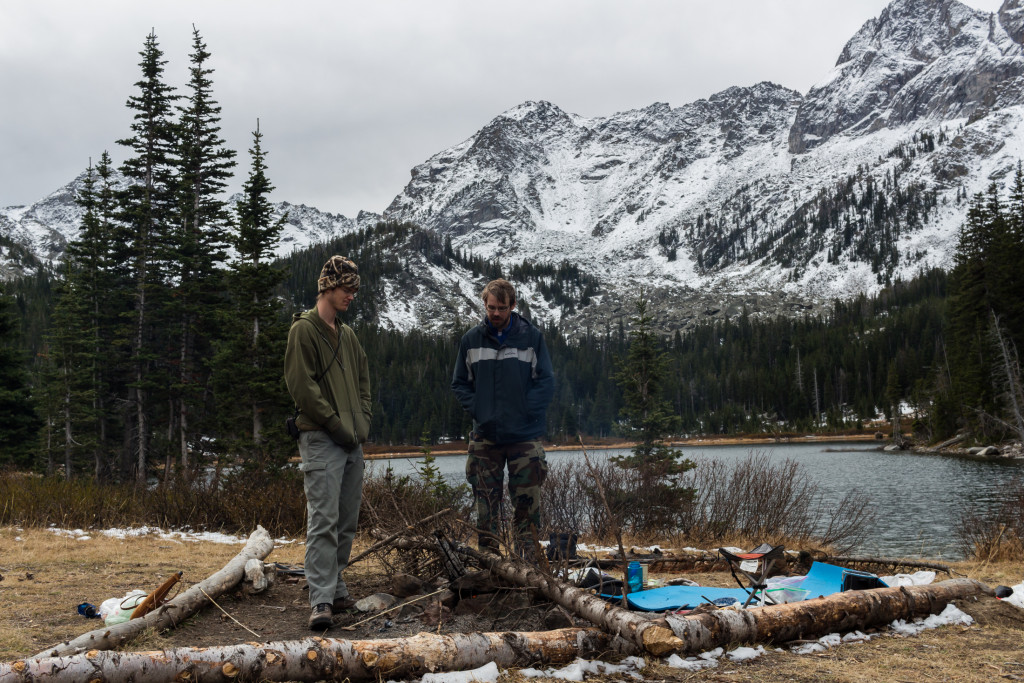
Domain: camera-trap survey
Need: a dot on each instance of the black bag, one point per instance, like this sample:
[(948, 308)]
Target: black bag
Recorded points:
[(561, 546), (292, 428)]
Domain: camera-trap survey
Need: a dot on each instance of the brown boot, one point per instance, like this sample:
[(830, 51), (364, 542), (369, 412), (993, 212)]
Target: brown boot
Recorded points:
[(321, 616)]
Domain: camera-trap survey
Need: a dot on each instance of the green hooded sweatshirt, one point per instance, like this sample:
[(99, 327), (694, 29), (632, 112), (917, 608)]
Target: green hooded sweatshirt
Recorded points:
[(340, 402)]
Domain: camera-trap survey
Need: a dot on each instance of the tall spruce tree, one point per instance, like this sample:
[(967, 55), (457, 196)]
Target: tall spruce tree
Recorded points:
[(86, 314), (647, 416), (247, 365), (649, 420), (985, 285), (197, 249), (19, 422), (66, 374), (147, 207)]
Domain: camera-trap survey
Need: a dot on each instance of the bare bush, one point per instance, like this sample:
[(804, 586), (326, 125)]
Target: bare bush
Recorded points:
[(392, 502), (774, 501), (997, 535), (756, 499)]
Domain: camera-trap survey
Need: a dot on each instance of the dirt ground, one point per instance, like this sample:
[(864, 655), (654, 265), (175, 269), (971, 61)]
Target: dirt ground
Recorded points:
[(990, 649), (280, 613), (45, 576)]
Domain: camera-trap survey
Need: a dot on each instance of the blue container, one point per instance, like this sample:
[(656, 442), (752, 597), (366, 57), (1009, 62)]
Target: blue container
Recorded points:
[(635, 577)]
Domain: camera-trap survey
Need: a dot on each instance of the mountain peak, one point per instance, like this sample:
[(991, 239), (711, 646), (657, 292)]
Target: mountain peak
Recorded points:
[(919, 60), (757, 197)]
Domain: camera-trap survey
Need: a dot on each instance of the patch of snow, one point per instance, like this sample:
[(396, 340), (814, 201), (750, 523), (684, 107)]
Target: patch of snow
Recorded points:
[(176, 536), (746, 654), (630, 666), (488, 673), (705, 660), (949, 616)]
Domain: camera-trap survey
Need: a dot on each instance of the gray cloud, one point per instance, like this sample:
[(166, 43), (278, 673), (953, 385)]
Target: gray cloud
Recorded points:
[(351, 95)]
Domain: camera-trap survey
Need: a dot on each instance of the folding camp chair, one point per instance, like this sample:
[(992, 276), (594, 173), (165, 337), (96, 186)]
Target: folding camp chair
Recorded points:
[(754, 567)]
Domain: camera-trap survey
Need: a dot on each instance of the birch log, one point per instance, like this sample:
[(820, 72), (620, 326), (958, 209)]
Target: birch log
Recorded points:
[(895, 563), (836, 613), (175, 611), (315, 659), (641, 633)]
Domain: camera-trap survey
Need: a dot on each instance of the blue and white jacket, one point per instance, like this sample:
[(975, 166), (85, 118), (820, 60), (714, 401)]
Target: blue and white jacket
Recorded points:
[(505, 386)]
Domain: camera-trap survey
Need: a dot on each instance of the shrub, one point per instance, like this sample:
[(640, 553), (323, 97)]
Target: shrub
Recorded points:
[(393, 502), (997, 535), (754, 499)]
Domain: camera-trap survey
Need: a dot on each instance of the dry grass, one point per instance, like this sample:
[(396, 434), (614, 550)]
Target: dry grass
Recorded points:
[(45, 577)]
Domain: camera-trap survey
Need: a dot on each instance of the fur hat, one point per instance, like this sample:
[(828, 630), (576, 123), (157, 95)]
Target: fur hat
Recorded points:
[(338, 272)]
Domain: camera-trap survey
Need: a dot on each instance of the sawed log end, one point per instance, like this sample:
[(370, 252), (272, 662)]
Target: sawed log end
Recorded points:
[(660, 641)]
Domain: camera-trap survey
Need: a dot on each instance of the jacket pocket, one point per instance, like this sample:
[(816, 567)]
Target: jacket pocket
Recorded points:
[(362, 421)]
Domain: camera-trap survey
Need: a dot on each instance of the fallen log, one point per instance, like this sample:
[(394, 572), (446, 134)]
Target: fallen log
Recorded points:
[(894, 563), (638, 633), (315, 659), (175, 611), (703, 563), (840, 612)]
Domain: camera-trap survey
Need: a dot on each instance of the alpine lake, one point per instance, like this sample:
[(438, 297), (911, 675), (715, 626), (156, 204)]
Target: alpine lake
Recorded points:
[(918, 497)]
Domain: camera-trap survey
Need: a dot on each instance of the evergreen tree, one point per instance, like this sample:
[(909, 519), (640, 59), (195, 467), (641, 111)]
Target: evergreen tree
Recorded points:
[(986, 285), (197, 248), (66, 373), (19, 422), (247, 365), (95, 295), (648, 418), (147, 208)]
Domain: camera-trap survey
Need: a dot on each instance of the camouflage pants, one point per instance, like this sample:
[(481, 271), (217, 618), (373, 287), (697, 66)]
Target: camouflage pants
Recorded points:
[(485, 472)]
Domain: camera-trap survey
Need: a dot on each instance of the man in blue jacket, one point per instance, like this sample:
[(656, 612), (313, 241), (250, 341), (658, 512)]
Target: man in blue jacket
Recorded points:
[(503, 378)]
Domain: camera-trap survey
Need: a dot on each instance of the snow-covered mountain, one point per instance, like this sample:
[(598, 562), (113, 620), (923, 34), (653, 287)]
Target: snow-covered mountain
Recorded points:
[(758, 197), (722, 199), (46, 227)]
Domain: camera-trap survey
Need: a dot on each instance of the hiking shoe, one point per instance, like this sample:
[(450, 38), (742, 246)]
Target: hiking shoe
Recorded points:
[(342, 604), (320, 617)]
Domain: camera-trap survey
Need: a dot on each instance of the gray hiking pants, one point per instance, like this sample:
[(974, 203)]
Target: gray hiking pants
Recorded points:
[(333, 479)]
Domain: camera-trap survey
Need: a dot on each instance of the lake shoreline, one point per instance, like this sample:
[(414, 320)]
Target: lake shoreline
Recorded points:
[(459, 448)]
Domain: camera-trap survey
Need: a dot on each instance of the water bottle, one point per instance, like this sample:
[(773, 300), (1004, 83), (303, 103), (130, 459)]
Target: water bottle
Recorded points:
[(635, 577)]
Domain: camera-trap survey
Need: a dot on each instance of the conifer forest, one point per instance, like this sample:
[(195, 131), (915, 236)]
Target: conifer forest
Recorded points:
[(155, 347)]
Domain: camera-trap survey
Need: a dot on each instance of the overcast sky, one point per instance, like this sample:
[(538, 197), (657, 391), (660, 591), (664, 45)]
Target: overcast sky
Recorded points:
[(351, 95)]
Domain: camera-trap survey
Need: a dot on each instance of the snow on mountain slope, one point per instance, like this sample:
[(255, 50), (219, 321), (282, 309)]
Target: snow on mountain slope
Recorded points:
[(720, 195), (757, 197)]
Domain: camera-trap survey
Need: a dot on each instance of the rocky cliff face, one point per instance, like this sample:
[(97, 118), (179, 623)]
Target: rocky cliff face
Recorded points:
[(758, 198), (757, 192), (919, 61)]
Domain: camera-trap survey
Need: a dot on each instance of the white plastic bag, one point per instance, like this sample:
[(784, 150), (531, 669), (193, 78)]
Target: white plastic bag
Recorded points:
[(921, 578), (119, 610)]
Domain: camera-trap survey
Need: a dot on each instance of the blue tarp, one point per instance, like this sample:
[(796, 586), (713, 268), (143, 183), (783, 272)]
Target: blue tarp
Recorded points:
[(681, 597), (822, 579)]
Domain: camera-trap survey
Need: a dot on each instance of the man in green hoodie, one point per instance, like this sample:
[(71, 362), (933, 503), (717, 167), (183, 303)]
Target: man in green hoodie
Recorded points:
[(329, 380)]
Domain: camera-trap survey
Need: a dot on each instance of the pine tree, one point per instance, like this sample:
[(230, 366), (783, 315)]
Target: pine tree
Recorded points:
[(247, 365), (648, 419), (86, 317), (197, 250), (67, 374), (147, 208), (646, 413), (19, 422)]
